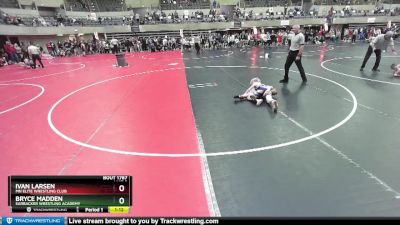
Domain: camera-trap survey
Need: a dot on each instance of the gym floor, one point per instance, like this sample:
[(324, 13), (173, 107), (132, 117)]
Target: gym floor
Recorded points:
[(170, 121)]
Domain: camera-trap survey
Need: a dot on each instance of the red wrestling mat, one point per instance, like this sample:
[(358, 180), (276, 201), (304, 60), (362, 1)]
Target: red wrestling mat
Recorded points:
[(146, 112)]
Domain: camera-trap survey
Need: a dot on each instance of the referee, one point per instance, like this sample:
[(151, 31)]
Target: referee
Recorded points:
[(295, 53), (379, 43), (197, 44), (34, 53), (114, 43)]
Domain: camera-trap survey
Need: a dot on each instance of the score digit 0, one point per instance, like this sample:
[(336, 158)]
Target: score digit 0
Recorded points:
[(121, 200), (121, 188)]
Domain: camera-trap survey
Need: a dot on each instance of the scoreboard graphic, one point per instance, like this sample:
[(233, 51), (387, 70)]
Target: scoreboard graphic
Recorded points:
[(63, 194)]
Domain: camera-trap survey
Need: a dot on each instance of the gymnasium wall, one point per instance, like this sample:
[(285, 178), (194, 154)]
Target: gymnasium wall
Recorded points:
[(43, 3), (142, 3)]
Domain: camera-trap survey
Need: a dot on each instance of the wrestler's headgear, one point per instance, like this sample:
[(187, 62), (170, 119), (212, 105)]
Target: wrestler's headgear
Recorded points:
[(255, 79)]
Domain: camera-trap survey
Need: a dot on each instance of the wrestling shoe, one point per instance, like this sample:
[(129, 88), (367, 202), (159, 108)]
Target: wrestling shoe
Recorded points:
[(274, 106), (284, 81)]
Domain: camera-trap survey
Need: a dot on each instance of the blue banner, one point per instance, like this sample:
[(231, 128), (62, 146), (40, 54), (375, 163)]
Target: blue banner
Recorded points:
[(32, 220)]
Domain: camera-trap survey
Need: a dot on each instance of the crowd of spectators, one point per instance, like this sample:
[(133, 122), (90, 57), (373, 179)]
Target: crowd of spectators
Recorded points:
[(12, 20), (343, 2), (213, 15), (185, 4), (16, 53), (13, 53), (243, 14), (95, 5), (63, 21), (159, 16)]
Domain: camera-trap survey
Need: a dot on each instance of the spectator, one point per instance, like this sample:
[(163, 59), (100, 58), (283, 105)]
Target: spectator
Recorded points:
[(51, 48), (18, 50), (11, 52)]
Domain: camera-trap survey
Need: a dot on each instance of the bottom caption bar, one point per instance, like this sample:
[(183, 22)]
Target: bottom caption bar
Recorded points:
[(105, 221), (140, 221), (179, 220), (80, 209)]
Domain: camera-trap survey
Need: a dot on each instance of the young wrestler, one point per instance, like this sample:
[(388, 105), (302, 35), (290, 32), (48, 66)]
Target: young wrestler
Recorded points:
[(258, 92)]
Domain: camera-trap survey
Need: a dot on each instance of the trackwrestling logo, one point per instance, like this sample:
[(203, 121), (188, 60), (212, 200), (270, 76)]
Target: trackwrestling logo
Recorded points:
[(32, 220)]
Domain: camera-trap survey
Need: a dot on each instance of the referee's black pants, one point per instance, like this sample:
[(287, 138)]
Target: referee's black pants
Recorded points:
[(37, 57), (197, 47), (378, 54), (289, 61), (115, 49)]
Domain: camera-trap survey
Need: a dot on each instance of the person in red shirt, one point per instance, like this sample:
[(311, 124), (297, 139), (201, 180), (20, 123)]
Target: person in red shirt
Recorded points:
[(257, 38), (350, 35), (50, 48), (371, 33), (280, 38), (11, 52), (321, 35)]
